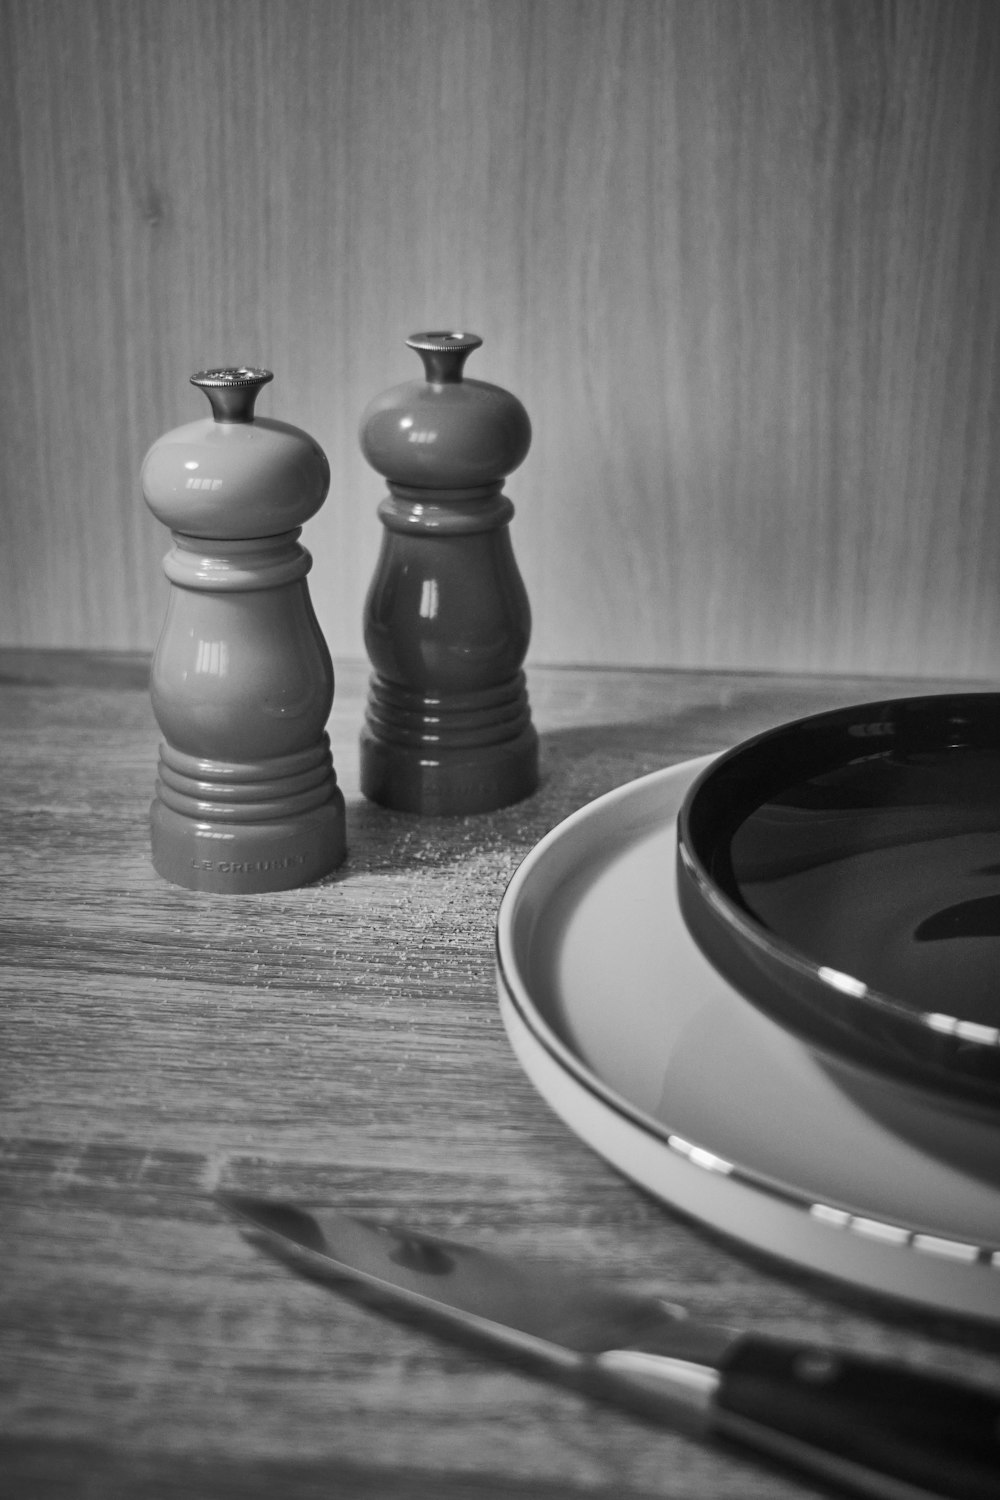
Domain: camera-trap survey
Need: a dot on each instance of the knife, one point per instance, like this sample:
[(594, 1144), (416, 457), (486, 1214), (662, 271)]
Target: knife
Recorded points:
[(868, 1425)]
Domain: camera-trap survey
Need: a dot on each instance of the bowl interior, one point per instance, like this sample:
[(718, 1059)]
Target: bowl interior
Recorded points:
[(853, 860)]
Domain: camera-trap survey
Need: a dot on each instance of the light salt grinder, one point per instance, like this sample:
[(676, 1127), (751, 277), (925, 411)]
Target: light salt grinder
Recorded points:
[(242, 682), (447, 622)]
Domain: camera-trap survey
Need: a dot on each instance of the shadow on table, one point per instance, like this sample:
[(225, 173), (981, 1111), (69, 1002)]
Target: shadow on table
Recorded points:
[(577, 765)]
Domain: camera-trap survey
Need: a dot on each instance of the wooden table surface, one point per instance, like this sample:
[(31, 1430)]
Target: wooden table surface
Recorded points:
[(340, 1044)]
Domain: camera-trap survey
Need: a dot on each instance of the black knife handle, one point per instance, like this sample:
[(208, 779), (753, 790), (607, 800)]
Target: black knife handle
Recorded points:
[(880, 1428)]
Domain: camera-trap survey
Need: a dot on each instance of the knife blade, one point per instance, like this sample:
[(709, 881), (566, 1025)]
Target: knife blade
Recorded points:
[(875, 1427)]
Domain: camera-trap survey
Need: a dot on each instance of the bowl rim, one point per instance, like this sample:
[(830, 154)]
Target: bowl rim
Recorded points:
[(849, 989)]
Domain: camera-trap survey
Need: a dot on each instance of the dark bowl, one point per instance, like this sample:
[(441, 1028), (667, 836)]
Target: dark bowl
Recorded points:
[(843, 873)]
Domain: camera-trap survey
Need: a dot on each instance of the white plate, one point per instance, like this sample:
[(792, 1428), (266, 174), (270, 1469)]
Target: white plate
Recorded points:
[(657, 1064)]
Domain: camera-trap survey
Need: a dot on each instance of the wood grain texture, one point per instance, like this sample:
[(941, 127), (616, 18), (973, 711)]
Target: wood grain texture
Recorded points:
[(738, 259), (340, 1043)]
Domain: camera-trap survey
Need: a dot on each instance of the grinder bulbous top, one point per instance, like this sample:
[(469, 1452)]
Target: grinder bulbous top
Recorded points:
[(445, 432), (234, 474)]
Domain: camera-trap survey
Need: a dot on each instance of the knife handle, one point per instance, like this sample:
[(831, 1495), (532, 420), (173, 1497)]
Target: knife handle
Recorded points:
[(882, 1429)]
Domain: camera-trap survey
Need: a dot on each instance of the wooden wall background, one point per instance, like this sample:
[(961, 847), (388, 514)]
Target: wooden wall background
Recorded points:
[(740, 258)]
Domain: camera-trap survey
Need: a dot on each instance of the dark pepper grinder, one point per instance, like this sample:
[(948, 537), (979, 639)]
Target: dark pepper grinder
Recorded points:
[(242, 682), (447, 622)]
